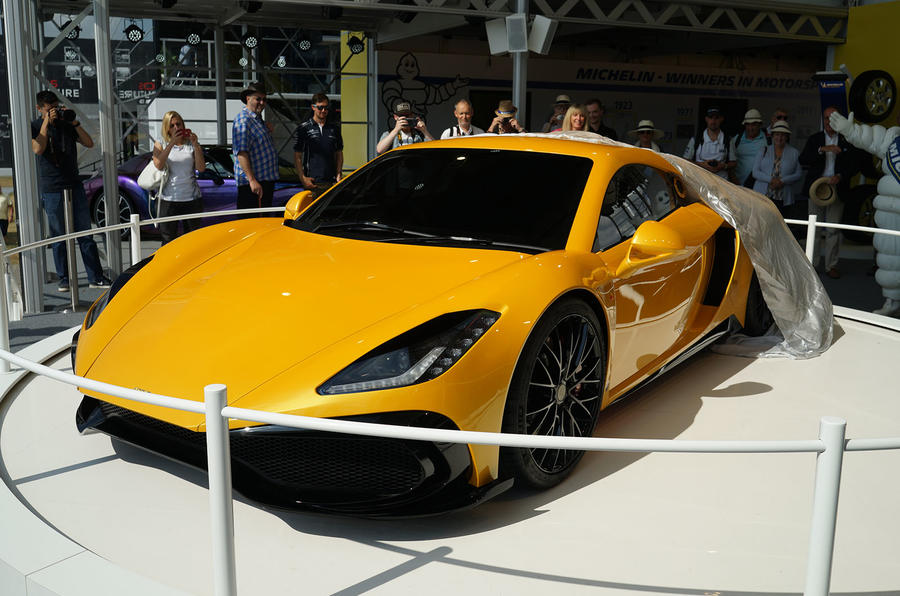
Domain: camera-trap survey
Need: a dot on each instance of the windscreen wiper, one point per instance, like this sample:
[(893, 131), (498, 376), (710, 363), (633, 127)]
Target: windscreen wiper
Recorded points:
[(483, 242), (369, 226)]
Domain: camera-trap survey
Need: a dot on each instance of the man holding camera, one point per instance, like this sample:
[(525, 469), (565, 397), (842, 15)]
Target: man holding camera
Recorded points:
[(408, 129), (504, 122), (53, 138)]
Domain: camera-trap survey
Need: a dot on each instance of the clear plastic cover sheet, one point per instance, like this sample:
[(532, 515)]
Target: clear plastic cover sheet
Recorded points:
[(801, 308)]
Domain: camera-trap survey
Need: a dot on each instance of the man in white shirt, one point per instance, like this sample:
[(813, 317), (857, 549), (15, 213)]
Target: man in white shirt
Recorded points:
[(463, 113), (712, 149)]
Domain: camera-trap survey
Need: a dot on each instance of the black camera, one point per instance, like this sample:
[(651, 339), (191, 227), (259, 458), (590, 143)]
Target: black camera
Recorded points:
[(412, 121), (66, 115)]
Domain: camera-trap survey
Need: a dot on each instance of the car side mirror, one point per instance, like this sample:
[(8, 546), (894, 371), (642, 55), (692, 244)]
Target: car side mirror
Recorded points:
[(297, 204), (653, 242)]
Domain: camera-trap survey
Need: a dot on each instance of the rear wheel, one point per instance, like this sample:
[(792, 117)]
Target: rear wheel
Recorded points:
[(758, 318), (98, 210), (556, 391)]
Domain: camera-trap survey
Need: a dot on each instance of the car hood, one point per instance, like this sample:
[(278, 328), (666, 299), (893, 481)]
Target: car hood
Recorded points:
[(271, 301)]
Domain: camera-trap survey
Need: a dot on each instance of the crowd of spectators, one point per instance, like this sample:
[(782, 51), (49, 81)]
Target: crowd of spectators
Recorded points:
[(759, 158)]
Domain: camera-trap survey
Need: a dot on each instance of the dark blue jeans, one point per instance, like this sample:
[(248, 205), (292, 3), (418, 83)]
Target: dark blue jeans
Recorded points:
[(54, 206)]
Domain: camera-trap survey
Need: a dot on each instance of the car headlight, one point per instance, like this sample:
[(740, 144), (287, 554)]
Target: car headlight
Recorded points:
[(120, 281), (419, 355)]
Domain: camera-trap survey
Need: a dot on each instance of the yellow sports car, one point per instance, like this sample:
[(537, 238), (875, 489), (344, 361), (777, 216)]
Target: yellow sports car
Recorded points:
[(490, 283)]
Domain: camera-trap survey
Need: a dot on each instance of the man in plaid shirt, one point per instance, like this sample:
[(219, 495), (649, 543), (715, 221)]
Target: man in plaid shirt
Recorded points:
[(256, 167)]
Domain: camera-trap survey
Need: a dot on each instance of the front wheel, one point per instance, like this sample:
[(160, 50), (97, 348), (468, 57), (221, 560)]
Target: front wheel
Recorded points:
[(98, 210), (556, 391)]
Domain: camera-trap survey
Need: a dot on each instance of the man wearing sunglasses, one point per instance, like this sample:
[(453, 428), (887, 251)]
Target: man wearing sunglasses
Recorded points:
[(319, 149), (779, 115)]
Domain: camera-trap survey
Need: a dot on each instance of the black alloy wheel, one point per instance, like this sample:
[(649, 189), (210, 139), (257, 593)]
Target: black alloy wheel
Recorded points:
[(98, 211), (757, 318), (556, 391)]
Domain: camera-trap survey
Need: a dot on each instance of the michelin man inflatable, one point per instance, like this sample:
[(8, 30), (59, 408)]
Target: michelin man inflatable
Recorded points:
[(884, 143)]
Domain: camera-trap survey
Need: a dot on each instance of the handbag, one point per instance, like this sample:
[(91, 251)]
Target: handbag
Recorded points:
[(152, 178)]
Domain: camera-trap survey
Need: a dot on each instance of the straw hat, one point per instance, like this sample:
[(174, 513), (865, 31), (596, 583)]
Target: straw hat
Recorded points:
[(562, 98), (822, 192), (506, 109), (780, 126), (644, 126), (752, 116)]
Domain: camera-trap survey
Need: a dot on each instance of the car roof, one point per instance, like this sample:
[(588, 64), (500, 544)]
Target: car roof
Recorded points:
[(579, 144)]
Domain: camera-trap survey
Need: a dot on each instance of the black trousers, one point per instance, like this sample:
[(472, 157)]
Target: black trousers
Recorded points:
[(169, 229), (246, 199)]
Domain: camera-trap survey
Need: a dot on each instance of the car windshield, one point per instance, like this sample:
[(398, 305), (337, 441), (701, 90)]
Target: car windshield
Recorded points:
[(489, 198)]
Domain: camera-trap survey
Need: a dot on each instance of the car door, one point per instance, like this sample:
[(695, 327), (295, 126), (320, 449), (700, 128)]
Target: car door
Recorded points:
[(655, 251)]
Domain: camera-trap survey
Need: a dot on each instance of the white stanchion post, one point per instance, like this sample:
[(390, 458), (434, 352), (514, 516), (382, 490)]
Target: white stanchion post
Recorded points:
[(811, 238), (4, 310), (825, 503), (135, 238), (218, 454), (70, 249)]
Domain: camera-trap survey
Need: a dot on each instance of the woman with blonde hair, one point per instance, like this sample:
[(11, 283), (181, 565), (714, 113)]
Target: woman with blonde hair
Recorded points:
[(575, 118), (183, 157)]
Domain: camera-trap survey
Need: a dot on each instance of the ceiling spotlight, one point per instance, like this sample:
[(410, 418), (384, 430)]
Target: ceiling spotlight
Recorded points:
[(242, 62), (160, 58), (133, 33), (356, 45), (304, 42), (74, 33), (249, 41), (250, 5), (194, 36), (281, 62)]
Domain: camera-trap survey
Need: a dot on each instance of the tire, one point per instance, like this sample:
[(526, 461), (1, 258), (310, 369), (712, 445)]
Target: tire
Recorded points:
[(98, 210), (757, 318), (561, 372), (872, 96)]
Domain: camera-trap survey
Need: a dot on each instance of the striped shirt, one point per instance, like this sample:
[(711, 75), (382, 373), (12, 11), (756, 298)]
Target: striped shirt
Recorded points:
[(249, 133)]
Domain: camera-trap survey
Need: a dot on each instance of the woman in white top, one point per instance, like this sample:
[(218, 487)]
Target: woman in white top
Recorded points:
[(183, 156)]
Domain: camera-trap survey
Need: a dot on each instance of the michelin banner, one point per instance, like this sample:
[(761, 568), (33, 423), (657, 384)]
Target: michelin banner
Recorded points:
[(674, 97)]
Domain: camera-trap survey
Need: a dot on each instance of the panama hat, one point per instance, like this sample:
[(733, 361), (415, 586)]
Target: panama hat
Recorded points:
[(752, 116), (506, 109), (822, 192), (780, 126), (562, 98), (252, 88), (645, 126)]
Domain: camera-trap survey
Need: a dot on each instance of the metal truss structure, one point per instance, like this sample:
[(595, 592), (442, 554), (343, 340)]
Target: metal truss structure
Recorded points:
[(751, 18)]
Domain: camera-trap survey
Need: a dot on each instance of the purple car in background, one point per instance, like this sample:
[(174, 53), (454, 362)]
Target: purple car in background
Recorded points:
[(217, 186)]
